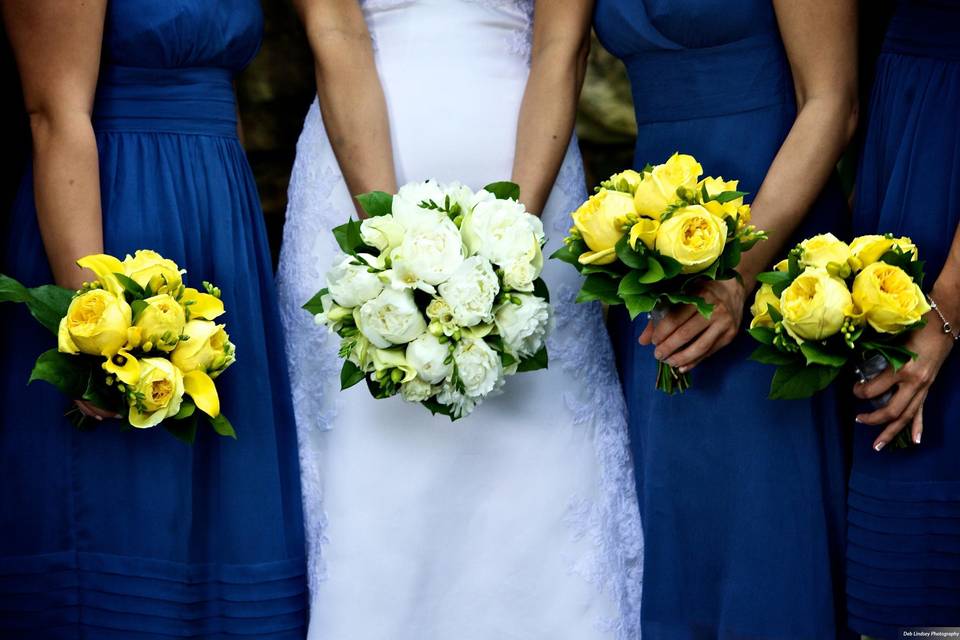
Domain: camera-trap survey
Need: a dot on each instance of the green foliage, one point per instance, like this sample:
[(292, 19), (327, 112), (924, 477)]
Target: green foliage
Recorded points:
[(47, 303), (504, 190), (537, 361), (376, 203), (599, 287), (62, 371), (315, 305), (222, 426), (348, 237), (131, 287), (350, 375), (183, 429), (797, 380)]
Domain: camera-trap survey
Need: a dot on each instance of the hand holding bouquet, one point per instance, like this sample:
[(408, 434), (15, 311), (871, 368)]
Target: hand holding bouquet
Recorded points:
[(438, 295), (135, 342), (648, 239)]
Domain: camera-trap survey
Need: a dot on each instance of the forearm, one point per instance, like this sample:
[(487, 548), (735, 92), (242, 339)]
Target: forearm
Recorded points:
[(946, 288), (546, 121), (800, 170), (67, 192)]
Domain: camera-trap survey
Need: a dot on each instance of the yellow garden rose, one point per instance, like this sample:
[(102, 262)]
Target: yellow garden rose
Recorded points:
[(150, 269), (762, 303), (658, 189), (600, 221), (207, 348), (160, 323), (158, 393), (97, 323), (888, 298), (821, 250), (815, 305), (645, 231), (693, 237), (716, 186), (866, 250)]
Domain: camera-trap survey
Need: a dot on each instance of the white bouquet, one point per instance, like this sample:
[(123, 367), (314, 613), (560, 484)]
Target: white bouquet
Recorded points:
[(437, 296)]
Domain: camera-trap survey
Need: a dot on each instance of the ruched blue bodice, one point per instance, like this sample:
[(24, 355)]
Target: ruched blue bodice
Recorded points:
[(731, 484), (110, 535)]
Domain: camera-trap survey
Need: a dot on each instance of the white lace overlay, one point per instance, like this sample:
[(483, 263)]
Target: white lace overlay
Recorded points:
[(381, 466)]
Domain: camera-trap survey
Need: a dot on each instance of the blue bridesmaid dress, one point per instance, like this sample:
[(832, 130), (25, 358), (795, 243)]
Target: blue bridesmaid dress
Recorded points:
[(903, 545), (742, 497), (133, 536)]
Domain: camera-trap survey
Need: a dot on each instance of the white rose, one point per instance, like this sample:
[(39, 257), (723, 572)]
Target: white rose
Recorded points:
[(382, 232), (428, 255), (524, 326), (417, 390), (478, 367), (460, 404), (392, 318), (429, 356), (351, 284), (470, 292), (519, 275), (406, 204), (502, 231)]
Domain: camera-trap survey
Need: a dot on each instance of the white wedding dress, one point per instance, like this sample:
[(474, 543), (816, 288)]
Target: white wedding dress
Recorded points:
[(519, 522)]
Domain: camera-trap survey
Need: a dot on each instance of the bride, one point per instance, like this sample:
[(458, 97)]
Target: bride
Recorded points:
[(520, 521)]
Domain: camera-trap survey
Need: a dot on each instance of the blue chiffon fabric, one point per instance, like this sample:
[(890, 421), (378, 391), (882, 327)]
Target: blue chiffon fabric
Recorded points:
[(742, 497), (136, 535), (903, 555)]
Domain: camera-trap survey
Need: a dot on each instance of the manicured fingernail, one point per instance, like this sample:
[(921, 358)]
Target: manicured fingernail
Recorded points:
[(917, 439), (658, 355), (99, 418), (879, 445), (684, 369), (858, 420)]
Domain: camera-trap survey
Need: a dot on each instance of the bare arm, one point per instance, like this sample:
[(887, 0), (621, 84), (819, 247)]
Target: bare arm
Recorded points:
[(351, 98), (57, 46), (825, 77), (561, 41)]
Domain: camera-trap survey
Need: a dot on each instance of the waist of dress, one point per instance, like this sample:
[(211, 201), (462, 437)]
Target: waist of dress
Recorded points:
[(925, 28), (686, 84), (197, 101)]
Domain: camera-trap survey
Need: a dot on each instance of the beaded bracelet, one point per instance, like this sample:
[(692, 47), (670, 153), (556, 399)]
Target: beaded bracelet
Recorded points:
[(947, 327)]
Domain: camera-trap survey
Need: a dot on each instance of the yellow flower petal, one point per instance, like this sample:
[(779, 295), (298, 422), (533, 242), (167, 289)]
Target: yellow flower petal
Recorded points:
[(65, 343), (606, 256), (105, 267), (201, 305), (124, 366), (199, 386)]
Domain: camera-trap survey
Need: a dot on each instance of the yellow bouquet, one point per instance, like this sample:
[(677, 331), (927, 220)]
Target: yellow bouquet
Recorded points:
[(137, 342), (646, 239)]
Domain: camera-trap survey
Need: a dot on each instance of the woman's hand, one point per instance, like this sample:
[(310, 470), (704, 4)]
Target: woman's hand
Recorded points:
[(91, 411), (685, 338), (912, 383)]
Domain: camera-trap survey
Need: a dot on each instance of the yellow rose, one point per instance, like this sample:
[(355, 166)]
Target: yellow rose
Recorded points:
[(866, 250), (157, 394), (645, 231), (658, 189), (160, 323), (764, 300), (693, 237), (821, 250), (716, 186), (97, 323), (889, 298), (207, 348), (815, 305), (600, 221), (627, 180), (150, 269)]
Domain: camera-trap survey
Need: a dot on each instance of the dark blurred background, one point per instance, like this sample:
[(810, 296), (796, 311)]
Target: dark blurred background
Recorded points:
[(276, 90)]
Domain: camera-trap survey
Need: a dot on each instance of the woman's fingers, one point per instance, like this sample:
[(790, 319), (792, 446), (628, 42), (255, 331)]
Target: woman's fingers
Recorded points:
[(898, 425), (876, 387), (917, 430), (681, 337), (647, 336), (894, 409), (697, 350), (675, 319), (94, 412)]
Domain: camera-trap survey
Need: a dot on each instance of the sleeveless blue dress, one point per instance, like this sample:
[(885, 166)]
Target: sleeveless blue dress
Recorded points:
[(132, 536), (903, 554), (742, 497)]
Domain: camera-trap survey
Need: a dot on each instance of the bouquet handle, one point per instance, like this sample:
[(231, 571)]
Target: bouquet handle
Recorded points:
[(669, 379)]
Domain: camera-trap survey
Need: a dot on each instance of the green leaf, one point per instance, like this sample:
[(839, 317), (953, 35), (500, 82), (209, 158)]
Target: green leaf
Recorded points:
[(184, 429), (818, 354), (637, 304), (630, 256), (730, 257), (763, 335), (704, 307), (314, 304), (504, 190), (599, 287), (223, 427), (137, 306), (540, 289), (671, 268), (350, 375), (69, 374), (131, 286), (570, 253), (770, 355), (797, 381), (99, 394), (896, 355), (537, 361), (654, 272), (778, 280), (439, 409), (48, 304), (728, 196), (376, 203), (507, 359), (186, 409), (348, 236), (630, 285)]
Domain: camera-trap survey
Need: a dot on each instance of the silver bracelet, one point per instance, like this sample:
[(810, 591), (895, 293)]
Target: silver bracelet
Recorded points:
[(947, 327)]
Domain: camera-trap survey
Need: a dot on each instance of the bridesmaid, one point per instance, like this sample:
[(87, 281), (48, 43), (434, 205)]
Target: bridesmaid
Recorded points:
[(742, 497), (134, 535), (903, 540)]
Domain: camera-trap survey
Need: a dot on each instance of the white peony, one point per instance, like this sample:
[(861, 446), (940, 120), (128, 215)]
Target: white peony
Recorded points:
[(417, 390), (406, 204), (382, 232), (392, 318), (524, 326), (352, 284), (503, 232), (470, 292), (465, 197), (519, 275), (428, 255), (478, 367), (429, 357), (459, 404)]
